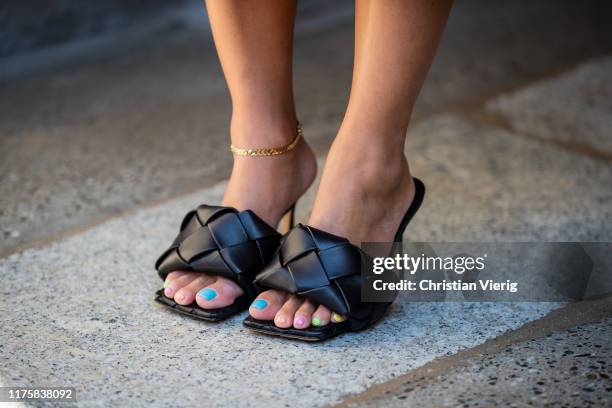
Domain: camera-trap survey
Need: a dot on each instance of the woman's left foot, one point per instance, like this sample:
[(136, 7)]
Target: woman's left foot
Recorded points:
[(254, 181), (363, 197)]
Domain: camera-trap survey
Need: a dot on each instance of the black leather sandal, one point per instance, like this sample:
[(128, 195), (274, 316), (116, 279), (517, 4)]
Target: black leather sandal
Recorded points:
[(326, 269), (225, 242)]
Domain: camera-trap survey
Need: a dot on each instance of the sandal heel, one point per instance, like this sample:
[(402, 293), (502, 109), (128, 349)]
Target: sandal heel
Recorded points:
[(286, 222), (419, 194)]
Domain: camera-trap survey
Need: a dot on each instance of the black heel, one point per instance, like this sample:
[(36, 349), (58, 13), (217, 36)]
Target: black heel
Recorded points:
[(287, 220), (419, 195)]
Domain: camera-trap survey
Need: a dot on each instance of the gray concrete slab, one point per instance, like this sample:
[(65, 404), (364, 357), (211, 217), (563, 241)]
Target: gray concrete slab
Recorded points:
[(558, 321), (574, 108), (488, 184), (95, 138), (79, 312), (569, 368)]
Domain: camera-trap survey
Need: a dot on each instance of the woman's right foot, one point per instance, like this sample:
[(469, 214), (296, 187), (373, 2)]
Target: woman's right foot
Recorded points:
[(266, 185), (363, 197)]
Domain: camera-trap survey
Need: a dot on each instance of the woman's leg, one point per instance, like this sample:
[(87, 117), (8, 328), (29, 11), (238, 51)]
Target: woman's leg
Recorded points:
[(366, 185), (254, 40)]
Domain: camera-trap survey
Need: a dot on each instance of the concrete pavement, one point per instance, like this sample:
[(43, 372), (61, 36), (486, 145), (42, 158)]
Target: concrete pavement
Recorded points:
[(511, 136), (559, 360)]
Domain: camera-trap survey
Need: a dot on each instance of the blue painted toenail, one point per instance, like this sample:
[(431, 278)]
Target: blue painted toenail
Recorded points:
[(208, 294), (260, 304)]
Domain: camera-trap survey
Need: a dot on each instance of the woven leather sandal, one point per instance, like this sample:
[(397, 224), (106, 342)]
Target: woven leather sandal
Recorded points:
[(326, 269), (225, 242)]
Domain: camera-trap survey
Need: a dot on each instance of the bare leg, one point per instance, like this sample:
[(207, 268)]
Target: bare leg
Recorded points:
[(366, 185), (254, 41)]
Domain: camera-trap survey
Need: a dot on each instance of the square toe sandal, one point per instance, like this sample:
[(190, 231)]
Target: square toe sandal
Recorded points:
[(326, 269), (220, 241)]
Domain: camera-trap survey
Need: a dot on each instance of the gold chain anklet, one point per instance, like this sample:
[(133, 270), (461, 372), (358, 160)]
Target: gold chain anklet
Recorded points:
[(270, 151)]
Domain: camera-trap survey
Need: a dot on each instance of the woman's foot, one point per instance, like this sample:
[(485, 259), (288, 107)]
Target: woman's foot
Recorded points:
[(363, 196), (266, 185)]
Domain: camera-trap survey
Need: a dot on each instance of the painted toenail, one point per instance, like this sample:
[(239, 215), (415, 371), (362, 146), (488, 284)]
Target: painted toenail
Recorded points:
[(260, 304), (208, 294), (179, 298), (282, 320), (316, 321), (300, 321), (338, 318), (166, 283), (169, 291)]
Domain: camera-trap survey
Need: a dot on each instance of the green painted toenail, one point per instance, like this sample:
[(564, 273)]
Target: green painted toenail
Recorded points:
[(165, 284), (316, 321)]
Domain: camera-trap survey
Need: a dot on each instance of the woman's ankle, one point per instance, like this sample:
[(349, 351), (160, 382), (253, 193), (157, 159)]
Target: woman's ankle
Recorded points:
[(374, 166), (365, 189), (270, 185)]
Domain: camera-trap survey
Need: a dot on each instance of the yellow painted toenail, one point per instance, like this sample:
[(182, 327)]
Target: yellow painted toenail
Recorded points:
[(336, 318)]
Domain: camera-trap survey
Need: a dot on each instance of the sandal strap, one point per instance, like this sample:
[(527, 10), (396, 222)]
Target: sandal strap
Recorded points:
[(322, 267), (221, 241)]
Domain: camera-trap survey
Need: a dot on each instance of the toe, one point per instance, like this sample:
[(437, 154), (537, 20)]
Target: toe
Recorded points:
[(303, 315), (171, 287), (267, 304), (223, 292), (321, 316), (284, 317), (173, 276), (186, 294), (337, 318)]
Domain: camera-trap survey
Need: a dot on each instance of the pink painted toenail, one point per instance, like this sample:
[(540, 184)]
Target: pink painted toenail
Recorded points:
[(300, 321), (169, 291)]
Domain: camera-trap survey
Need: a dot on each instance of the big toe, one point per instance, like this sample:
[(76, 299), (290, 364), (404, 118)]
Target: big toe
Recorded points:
[(223, 292), (267, 304)]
